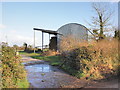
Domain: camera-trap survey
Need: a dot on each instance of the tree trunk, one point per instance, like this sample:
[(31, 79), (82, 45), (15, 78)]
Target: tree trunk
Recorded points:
[(101, 27)]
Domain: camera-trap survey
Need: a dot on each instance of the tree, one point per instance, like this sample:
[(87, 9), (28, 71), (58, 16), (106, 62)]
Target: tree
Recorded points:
[(116, 35), (25, 45), (30, 46), (4, 44), (101, 20), (16, 47)]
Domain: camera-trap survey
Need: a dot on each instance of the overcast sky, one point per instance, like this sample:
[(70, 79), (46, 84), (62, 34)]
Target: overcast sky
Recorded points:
[(19, 18)]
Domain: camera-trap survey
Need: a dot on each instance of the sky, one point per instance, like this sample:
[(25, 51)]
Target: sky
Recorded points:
[(17, 19)]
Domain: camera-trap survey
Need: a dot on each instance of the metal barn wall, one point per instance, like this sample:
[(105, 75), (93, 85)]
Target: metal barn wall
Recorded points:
[(77, 30)]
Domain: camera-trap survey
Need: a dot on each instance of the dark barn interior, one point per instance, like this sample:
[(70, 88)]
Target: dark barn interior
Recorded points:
[(53, 43)]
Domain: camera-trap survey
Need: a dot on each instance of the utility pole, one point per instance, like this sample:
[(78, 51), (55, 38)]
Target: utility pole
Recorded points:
[(34, 41), (42, 40), (49, 38)]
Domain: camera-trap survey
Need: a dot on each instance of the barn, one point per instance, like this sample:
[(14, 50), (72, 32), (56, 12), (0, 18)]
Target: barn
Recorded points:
[(74, 29), (77, 30)]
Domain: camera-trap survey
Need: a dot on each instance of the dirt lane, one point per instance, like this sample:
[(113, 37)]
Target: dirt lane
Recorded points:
[(46, 76)]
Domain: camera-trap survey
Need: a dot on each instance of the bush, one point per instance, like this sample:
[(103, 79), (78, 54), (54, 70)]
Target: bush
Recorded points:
[(93, 60), (50, 53), (69, 43), (13, 73)]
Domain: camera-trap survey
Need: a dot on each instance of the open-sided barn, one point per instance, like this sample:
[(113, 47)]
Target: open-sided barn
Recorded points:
[(76, 30)]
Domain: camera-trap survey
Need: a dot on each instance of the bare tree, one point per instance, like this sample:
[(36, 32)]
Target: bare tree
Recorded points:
[(101, 20)]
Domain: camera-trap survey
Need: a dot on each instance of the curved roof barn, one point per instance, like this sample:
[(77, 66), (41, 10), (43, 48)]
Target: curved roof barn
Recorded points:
[(72, 29), (77, 30)]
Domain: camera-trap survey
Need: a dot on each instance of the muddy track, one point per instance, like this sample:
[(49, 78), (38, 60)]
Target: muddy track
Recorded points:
[(43, 75)]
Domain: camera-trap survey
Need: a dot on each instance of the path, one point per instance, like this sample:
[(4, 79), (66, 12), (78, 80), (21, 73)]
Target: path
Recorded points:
[(42, 75), (113, 83)]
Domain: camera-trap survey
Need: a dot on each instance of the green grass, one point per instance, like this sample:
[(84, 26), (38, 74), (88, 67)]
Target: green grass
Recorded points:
[(54, 60), (23, 84), (28, 54)]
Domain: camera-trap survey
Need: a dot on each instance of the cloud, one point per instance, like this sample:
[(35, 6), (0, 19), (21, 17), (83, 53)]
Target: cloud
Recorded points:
[(2, 26), (14, 37), (19, 39), (114, 0)]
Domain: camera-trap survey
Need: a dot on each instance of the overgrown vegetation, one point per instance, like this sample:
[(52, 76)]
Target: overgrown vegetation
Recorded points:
[(13, 73), (90, 60), (93, 60)]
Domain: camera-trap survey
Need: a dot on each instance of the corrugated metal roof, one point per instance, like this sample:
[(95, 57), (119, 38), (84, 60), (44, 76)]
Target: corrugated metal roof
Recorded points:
[(47, 31), (74, 24)]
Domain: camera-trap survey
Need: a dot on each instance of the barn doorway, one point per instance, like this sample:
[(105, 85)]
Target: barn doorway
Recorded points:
[(53, 43)]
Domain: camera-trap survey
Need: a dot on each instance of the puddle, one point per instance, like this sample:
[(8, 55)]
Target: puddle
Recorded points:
[(42, 75), (39, 68), (45, 76)]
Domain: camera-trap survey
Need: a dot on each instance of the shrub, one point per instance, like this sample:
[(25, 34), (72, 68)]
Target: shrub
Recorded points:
[(49, 53), (13, 73), (69, 42), (93, 60)]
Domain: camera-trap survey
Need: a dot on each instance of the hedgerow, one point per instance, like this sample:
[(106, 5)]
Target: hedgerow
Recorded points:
[(13, 72), (91, 60)]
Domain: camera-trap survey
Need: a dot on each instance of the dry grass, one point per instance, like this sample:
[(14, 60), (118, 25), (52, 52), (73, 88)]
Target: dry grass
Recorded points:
[(104, 56), (69, 42), (50, 53)]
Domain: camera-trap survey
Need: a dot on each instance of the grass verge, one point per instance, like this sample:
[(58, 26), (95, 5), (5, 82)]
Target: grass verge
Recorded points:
[(23, 83), (54, 60), (28, 54)]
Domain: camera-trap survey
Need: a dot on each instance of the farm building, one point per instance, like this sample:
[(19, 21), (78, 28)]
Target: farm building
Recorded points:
[(76, 30)]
